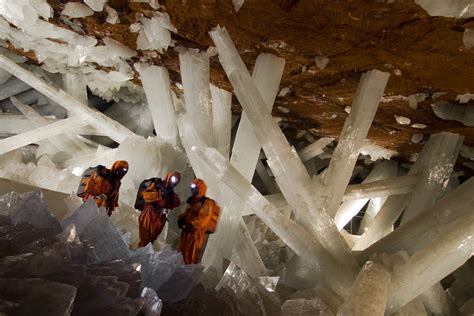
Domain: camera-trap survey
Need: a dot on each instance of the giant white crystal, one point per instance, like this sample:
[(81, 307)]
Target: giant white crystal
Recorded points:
[(221, 119), (113, 129), (369, 292), (156, 83), (354, 132), (429, 265), (290, 173), (267, 74), (349, 209)]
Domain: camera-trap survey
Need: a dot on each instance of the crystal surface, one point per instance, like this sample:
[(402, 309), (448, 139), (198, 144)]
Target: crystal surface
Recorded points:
[(77, 10), (450, 8), (446, 214), (68, 142), (156, 83), (96, 5), (354, 132), (349, 209), (221, 119), (290, 173), (245, 154), (249, 296), (460, 113), (369, 292), (41, 133), (197, 95), (433, 167), (33, 210), (429, 265), (390, 186), (291, 233), (153, 303), (314, 149), (112, 128)]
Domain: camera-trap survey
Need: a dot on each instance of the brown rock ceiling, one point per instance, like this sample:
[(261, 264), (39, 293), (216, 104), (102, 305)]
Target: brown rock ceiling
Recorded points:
[(356, 35)]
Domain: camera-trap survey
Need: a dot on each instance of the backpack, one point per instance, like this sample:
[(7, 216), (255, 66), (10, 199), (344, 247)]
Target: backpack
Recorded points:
[(216, 212), (91, 181), (144, 195)]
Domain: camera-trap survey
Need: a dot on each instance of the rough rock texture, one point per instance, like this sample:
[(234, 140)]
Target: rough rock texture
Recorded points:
[(424, 54)]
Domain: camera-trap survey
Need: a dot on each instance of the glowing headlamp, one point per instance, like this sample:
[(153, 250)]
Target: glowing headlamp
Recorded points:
[(193, 186), (174, 179)]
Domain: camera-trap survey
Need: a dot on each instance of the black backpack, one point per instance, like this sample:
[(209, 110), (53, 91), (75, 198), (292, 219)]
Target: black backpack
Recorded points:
[(139, 201), (88, 184)]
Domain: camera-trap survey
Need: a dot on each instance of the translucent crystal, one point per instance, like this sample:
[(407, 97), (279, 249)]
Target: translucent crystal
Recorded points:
[(112, 128), (450, 8), (290, 173), (460, 113), (68, 142), (321, 62), (439, 151), (446, 214), (165, 272), (306, 307), (197, 96), (75, 84), (314, 149), (389, 186), (221, 119), (354, 132), (436, 173), (156, 83), (237, 4), (245, 154), (414, 308), (249, 296), (107, 242), (416, 138), (246, 254), (154, 35), (430, 264), (289, 232), (149, 157), (76, 10), (153, 303), (268, 180), (11, 87), (402, 120), (41, 133), (270, 283), (349, 209), (369, 292), (112, 15), (33, 210), (96, 5)]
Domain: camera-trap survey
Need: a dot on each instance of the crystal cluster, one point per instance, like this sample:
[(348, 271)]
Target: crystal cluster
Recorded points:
[(312, 227)]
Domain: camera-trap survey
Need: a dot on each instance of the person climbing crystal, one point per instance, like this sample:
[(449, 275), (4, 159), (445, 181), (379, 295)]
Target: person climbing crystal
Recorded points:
[(200, 218), (103, 185), (155, 199)]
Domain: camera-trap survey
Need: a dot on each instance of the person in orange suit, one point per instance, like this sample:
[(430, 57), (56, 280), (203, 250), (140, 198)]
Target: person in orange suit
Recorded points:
[(199, 219), (159, 199), (103, 185)]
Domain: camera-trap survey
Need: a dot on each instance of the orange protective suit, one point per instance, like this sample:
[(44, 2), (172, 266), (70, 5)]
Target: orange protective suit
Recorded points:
[(200, 217), (107, 194), (152, 219)]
